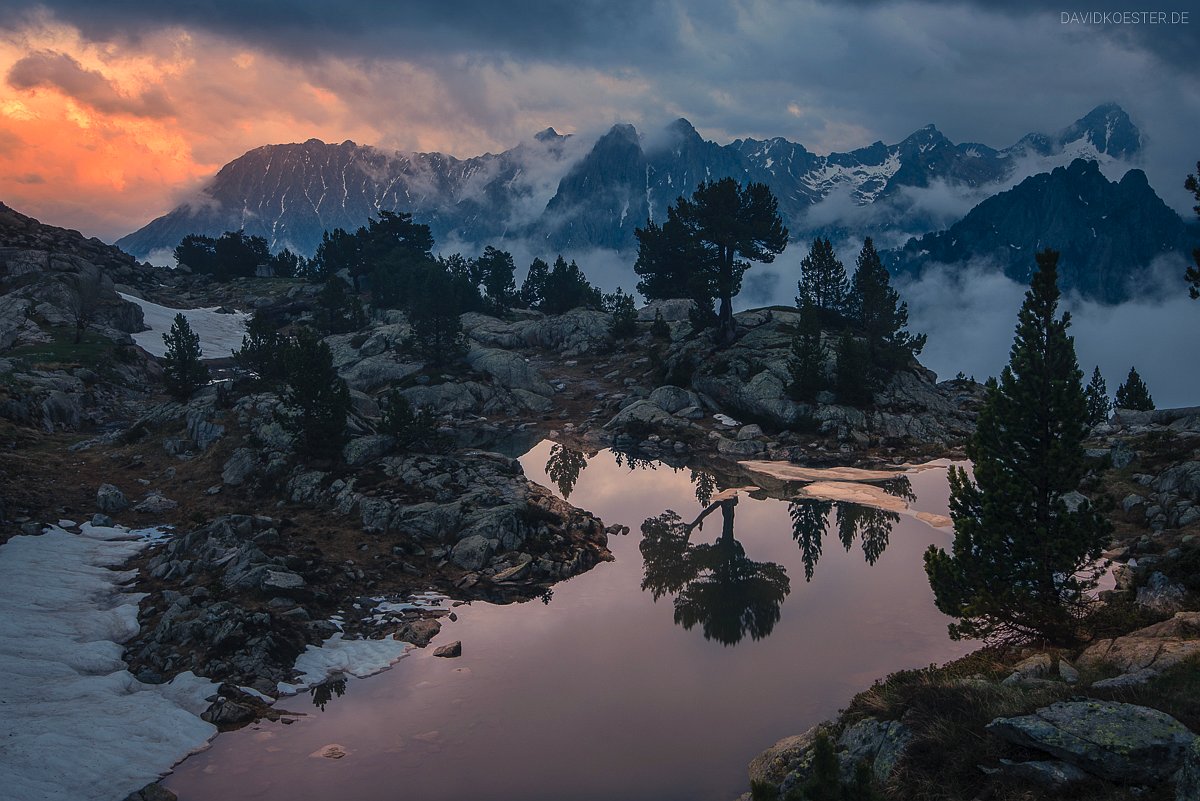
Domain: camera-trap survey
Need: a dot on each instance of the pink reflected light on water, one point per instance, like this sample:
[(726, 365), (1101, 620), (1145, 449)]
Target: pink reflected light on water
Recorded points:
[(599, 694)]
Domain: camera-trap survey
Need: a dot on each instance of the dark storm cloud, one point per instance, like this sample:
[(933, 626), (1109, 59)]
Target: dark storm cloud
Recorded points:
[(59, 70), (553, 28)]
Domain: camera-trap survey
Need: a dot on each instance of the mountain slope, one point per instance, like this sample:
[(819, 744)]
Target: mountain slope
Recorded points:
[(566, 194), (1108, 232)]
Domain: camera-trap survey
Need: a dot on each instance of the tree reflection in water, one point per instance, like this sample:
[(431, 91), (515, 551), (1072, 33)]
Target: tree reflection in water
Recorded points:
[(871, 527), (564, 466), (715, 585), (322, 693)]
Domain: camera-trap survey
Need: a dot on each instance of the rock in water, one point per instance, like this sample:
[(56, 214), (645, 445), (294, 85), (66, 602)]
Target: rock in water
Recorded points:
[(1120, 742), (450, 650)]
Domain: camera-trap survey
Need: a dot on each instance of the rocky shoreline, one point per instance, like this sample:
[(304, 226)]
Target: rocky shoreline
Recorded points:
[(1113, 718), (273, 555)]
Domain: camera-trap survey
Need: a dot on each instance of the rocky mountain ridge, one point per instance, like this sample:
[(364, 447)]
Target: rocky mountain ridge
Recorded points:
[(571, 196)]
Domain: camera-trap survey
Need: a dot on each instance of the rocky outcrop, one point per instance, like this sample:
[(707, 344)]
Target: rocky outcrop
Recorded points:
[(1149, 651), (750, 380), (222, 638), (1119, 742)]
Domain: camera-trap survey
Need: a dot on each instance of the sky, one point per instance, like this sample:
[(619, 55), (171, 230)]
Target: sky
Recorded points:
[(110, 112)]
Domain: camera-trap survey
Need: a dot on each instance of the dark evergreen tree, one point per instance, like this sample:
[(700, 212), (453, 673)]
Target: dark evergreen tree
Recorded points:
[(714, 235), (339, 310), (495, 269), (807, 365), (564, 466), (411, 427), (533, 288), (1098, 404), (437, 335), (1134, 394), (285, 264), (1022, 562), (463, 286), (875, 308), (624, 315), (263, 349), (853, 387), (316, 399), (659, 328), (338, 251), (183, 372), (1192, 276), (666, 264), (567, 288), (823, 281)]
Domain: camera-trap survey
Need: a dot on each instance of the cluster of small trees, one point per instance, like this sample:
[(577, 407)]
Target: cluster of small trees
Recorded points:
[(235, 255), (1133, 394), (873, 343)]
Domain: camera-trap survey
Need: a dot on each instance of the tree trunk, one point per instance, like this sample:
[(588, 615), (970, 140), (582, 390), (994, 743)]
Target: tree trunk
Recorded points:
[(726, 326)]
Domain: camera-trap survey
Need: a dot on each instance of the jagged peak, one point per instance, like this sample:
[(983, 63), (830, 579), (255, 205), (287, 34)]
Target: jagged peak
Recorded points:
[(548, 135)]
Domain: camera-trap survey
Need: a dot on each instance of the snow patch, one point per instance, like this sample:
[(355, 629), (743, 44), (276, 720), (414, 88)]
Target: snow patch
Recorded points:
[(77, 726), (220, 334), (359, 658)]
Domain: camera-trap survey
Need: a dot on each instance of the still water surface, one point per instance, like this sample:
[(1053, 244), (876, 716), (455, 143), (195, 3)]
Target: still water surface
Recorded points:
[(605, 692)]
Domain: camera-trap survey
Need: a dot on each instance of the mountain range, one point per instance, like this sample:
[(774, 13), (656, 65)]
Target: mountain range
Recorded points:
[(560, 193)]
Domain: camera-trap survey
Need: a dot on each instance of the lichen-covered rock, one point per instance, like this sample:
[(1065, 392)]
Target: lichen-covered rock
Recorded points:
[(1155, 647), (509, 370), (239, 467), (880, 743), (364, 450), (473, 552), (111, 500), (787, 756), (1119, 742)]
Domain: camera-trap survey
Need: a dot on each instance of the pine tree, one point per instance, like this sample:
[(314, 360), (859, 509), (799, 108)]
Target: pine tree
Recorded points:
[(533, 289), (437, 335), (1192, 276), (263, 349), (316, 398), (807, 365), (566, 288), (875, 308), (1134, 394), (823, 280), (708, 242), (1098, 404), (495, 269), (1022, 562), (853, 386), (624, 315), (339, 311), (410, 426), (659, 328), (183, 372)]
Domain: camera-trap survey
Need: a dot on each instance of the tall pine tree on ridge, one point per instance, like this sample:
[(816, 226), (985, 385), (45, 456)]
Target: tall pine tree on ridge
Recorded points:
[(1022, 561)]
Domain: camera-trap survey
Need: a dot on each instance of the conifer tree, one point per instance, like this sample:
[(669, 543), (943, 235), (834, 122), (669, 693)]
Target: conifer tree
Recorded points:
[(437, 335), (853, 386), (263, 349), (624, 315), (1022, 562), (1134, 394), (183, 372), (566, 288), (822, 280), (533, 289), (1192, 276), (708, 242), (875, 308), (495, 269), (316, 398), (807, 365), (410, 426), (339, 311), (1098, 404)]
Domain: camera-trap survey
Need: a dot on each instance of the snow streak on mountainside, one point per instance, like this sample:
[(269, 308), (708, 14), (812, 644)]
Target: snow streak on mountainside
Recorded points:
[(556, 190)]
